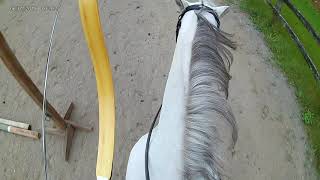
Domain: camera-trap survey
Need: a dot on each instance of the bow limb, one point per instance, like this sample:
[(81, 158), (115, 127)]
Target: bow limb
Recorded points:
[(94, 36)]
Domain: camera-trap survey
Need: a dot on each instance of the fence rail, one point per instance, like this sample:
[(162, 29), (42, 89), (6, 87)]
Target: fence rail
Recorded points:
[(307, 25)]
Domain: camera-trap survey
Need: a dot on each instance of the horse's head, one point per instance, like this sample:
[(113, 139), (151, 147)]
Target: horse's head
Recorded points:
[(221, 10)]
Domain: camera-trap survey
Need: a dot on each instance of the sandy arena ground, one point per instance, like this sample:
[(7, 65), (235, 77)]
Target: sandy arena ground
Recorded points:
[(141, 40)]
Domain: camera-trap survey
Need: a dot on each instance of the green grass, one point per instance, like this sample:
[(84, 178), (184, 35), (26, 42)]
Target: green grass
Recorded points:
[(308, 117), (308, 10), (288, 57), (306, 38)]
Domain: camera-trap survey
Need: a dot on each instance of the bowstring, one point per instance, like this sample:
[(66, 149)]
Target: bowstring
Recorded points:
[(44, 100)]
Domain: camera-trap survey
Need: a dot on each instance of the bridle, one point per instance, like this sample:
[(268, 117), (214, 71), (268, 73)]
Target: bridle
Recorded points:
[(197, 7), (188, 8)]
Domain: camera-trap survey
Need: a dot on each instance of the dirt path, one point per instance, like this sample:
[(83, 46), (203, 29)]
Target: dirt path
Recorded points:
[(272, 142), (141, 40)]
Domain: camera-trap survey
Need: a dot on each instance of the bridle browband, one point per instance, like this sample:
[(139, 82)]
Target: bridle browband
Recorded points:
[(189, 8), (196, 7)]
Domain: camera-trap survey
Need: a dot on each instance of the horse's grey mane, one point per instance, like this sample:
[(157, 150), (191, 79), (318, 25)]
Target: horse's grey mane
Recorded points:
[(207, 105)]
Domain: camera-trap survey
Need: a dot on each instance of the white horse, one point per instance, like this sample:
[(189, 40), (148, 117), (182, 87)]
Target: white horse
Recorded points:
[(196, 131)]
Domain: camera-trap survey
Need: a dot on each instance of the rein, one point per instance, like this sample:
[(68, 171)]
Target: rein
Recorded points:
[(193, 8)]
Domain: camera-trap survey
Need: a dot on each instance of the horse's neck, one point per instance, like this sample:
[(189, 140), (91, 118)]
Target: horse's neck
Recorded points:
[(174, 100), (166, 145), (176, 89), (166, 149)]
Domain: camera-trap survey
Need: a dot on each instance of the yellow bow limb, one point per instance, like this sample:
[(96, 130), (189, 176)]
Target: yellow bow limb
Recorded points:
[(93, 33)]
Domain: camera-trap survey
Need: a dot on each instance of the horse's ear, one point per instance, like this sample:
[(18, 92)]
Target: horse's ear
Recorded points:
[(221, 10)]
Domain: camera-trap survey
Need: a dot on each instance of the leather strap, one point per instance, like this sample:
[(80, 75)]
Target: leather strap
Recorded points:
[(196, 7)]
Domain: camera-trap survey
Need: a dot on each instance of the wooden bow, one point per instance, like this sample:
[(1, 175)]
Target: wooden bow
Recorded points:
[(94, 36)]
